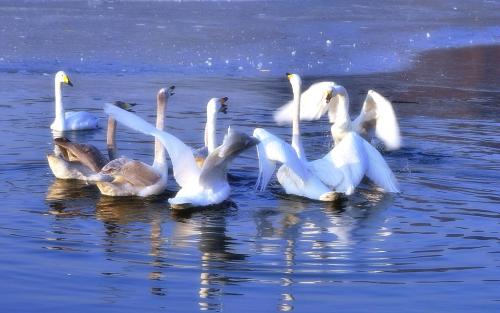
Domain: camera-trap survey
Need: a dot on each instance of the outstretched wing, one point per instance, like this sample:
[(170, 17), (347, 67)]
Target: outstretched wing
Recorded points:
[(313, 104), (377, 115), (184, 165), (270, 150), (214, 168), (378, 169)]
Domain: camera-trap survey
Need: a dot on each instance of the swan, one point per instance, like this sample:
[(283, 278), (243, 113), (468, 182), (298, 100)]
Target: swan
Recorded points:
[(339, 171), (135, 178), (69, 120), (83, 161), (200, 187), (214, 106), (376, 119)]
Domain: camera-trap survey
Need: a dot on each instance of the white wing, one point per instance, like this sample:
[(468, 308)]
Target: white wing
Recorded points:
[(344, 166), (378, 113), (270, 150), (313, 104), (184, 165), (378, 170)]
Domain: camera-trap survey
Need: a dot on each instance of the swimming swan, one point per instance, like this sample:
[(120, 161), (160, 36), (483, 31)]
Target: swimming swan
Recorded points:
[(339, 171), (200, 187), (69, 120), (377, 117), (84, 161), (214, 106), (135, 178)]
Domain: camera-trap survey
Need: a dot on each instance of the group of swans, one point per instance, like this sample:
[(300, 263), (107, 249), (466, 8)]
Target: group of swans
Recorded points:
[(202, 173)]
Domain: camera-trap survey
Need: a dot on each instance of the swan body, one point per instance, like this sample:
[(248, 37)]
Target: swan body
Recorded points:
[(73, 160), (76, 161), (65, 121), (134, 178), (376, 119), (339, 171), (199, 186), (214, 106), (294, 174)]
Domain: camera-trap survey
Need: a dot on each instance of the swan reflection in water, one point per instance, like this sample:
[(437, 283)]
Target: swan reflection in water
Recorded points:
[(217, 255), (323, 235)]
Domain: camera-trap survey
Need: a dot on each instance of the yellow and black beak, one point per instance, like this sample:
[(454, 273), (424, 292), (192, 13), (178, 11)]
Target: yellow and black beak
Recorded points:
[(223, 105), (67, 81), (328, 96), (289, 76)]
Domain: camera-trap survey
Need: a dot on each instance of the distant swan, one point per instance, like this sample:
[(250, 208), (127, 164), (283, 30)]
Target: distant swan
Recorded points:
[(340, 171), (135, 178), (377, 117), (214, 106), (83, 161), (200, 187), (69, 120)]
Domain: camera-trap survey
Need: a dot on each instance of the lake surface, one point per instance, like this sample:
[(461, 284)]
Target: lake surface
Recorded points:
[(435, 247)]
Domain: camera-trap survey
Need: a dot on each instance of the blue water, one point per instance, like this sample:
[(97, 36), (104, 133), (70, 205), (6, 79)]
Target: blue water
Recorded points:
[(432, 248)]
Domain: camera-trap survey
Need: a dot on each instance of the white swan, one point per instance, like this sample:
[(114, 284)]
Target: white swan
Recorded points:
[(135, 178), (83, 161), (199, 186), (214, 106), (69, 120), (340, 171), (376, 119)]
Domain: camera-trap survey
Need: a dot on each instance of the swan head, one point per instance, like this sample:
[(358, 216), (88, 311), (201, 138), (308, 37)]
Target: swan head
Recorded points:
[(217, 105), (165, 93), (295, 81), (62, 78)]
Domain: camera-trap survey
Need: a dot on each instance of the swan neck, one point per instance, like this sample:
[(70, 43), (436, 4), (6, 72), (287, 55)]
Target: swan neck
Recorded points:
[(160, 153), (342, 118), (210, 132), (58, 101), (111, 139), (296, 140)]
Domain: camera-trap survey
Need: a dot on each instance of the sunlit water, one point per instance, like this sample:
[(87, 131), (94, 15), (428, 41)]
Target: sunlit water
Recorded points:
[(434, 247)]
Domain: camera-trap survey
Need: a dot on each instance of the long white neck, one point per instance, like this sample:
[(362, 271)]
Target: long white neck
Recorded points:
[(111, 138), (160, 160), (296, 140), (342, 117), (339, 115), (210, 131), (58, 101)]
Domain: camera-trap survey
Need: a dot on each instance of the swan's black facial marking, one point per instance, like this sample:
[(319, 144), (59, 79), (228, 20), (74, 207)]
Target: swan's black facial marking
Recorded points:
[(171, 90), (223, 105), (328, 96)]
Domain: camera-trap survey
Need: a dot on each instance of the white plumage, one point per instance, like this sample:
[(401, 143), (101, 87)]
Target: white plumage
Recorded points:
[(65, 121), (377, 117), (199, 186)]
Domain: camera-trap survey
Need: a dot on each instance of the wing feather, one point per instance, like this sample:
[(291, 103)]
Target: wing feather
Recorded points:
[(184, 165), (270, 150), (377, 114), (313, 104)]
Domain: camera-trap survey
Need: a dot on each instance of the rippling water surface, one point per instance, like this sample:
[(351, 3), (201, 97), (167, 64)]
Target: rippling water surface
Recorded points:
[(434, 247)]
